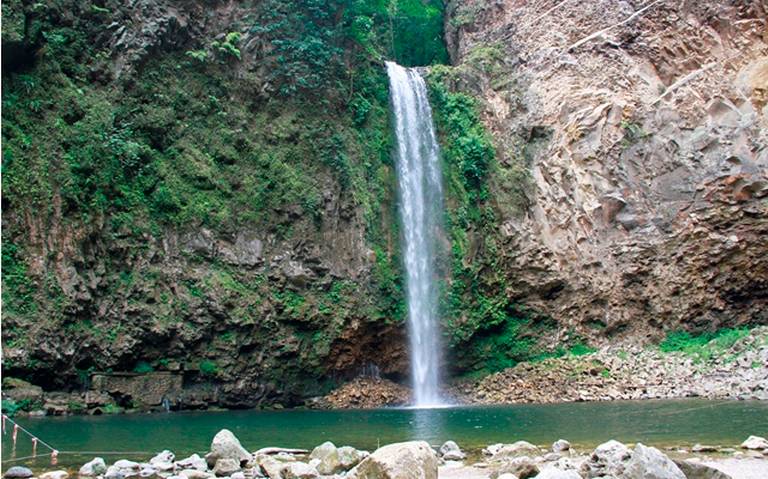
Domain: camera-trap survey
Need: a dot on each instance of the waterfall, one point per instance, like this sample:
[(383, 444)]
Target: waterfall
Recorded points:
[(417, 157)]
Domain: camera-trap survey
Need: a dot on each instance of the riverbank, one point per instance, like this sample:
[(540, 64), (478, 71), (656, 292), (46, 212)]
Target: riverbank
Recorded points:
[(227, 458), (731, 365)]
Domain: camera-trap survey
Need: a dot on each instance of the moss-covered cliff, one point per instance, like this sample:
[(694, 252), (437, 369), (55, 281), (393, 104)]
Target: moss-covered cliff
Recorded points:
[(204, 187)]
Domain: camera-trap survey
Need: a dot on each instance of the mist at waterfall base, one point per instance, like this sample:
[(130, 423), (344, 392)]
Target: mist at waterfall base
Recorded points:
[(420, 195)]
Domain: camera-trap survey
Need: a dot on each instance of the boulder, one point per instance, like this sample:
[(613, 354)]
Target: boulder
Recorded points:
[(18, 472), (226, 446), (147, 471), (226, 466), (703, 448), (54, 475), (608, 459), (523, 467), (650, 463), (95, 467), (126, 465), (299, 470), (450, 451), (555, 473), (755, 442), (561, 445), (404, 460), (164, 457), (114, 473), (518, 449), (697, 470), (350, 457), (328, 454), (192, 462), (272, 467), (507, 476)]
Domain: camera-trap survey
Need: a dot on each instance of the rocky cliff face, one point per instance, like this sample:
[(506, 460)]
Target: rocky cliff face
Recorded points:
[(645, 129), (173, 202), (205, 187)]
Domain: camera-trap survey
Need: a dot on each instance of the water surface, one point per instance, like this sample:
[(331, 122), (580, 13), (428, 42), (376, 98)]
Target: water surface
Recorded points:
[(660, 423)]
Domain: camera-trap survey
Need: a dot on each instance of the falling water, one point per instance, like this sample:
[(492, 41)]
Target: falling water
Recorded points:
[(421, 210)]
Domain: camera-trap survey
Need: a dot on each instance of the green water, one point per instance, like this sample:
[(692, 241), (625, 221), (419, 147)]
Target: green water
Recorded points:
[(660, 423)]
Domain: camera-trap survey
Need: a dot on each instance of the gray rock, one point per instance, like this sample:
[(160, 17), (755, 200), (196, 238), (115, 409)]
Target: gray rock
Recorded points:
[(450, 451), (226, 466), (650, 463), (192, 462), (523, 467), (350, 457), (561, 445), (125, 464), (608, 459), (237, 475), (697, 470), (271, 467), (328, 454), (147, 472), (404, 460), (54, 475), (164, 457), (93, 468), (18, 472), (299, 470), (755, 442), (226, 446), (114, 473), (517, 449), (555, 473), (703, 448), (195, 474)]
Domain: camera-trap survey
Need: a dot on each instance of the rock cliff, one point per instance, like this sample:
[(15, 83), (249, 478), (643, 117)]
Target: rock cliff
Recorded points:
[(644, 127)]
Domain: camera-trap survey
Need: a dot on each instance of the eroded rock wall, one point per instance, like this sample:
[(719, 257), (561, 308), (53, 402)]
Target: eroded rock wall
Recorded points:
[(646, 129)]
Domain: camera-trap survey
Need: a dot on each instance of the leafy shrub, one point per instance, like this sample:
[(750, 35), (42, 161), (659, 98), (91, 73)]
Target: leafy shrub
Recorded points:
[(208, 368), (10, 407), (228, 47), (143, 367)]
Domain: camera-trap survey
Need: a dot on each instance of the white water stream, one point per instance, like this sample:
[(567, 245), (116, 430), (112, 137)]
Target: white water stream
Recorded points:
[(421, 211)]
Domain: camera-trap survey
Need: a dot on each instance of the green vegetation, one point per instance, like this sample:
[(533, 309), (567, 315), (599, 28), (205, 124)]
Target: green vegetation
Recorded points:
[(487, 330), (143, 367), (10, 407), (208, 368), (702, 346)]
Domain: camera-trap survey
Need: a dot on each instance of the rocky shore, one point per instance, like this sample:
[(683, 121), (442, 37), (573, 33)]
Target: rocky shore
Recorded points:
[(228, 459), (730, 368), (714, 370)]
